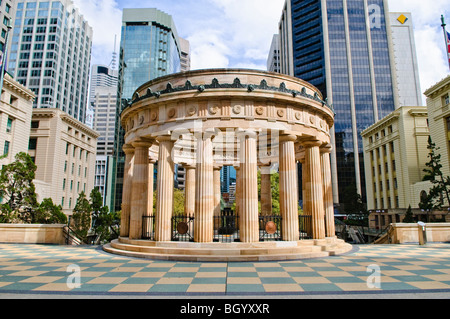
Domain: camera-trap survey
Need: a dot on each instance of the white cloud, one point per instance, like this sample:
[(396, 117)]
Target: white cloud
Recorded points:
[(238, 33), (208, 51), (105, 18)]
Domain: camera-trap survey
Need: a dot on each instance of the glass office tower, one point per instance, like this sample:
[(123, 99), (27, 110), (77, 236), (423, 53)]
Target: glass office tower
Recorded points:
[(51, 54), (149, 48), (344, 48)]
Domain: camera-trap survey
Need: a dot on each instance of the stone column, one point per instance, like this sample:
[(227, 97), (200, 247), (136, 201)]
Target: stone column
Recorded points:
[(148, 226), (266, 192), (164, 188), (249, 219), (306, 199), (238, 192), (217, 195), (139, 195), (288, 188), (204, 190), (127, 191), (314, 186), (328, 191), (189, 191)]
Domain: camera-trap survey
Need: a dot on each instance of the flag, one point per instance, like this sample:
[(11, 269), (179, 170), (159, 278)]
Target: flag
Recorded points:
[(448, 45), (2, 66)]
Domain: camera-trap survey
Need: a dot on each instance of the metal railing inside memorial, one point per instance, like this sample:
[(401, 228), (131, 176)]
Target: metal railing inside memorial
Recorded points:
[(183, 228), (226, 228), (148, 227), (305, 226), (270, 228)]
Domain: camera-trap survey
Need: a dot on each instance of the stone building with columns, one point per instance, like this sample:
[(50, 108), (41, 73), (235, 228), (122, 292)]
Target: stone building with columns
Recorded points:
[(207, 119)]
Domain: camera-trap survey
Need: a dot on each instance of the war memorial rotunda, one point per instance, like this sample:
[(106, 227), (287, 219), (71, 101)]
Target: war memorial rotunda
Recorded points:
[(204, 120)]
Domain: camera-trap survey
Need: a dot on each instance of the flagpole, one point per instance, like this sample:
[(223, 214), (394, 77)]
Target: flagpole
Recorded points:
[(447, 43)]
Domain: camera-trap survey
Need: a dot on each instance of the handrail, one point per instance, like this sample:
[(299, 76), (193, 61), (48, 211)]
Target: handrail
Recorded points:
[(76, 238), (383, 232)]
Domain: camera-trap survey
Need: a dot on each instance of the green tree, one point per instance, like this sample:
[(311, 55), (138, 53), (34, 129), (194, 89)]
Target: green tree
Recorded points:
[(105, 224), (18, 190), (49, 213), (81, 218), (355, 207), (178, 202), (409, 217), (441, 183)]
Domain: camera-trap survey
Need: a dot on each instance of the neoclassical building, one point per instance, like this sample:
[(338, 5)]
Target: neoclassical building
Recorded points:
[(204, 120)]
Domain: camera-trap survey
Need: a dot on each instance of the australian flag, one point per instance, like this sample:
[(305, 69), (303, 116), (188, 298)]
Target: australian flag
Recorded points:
[(448, 45), (3, 55)]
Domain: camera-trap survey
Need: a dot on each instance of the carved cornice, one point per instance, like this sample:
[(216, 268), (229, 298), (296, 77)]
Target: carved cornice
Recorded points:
[(235, 85)]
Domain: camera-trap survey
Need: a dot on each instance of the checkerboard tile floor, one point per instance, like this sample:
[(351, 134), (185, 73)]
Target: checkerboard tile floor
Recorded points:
[(46, 269)]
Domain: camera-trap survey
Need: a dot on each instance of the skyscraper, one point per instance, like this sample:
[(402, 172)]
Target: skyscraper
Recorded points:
[(345, 48), (408, 80), (103, 100), (7, 14), (149, 48), (51, 53), (273, 61)]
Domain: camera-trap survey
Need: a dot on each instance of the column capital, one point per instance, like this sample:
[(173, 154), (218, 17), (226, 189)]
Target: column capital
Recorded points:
[(188, 166), (311, 143), (152, 160), (142, 142), (164, 138), (251, 133), (217, 167), (288, 138), (128, 149), (326, 149)]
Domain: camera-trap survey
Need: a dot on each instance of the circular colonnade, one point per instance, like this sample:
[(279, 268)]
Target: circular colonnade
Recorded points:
[(204, 120)]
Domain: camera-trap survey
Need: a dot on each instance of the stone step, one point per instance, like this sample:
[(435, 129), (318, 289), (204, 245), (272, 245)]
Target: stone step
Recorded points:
[(215, 258), (208, 251), (264, 251)]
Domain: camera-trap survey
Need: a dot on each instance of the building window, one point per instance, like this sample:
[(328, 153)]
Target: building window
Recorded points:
[(9, 125), (35, 124), (33, 144), (6, 148), (446, 99)]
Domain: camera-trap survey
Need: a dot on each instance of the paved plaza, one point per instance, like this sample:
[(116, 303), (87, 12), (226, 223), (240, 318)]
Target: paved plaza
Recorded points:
[(38, 270)]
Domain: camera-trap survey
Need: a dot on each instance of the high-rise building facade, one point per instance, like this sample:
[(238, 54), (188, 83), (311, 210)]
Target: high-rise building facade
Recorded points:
[(7, 14), (273, 62), (103, 100), (51, 53), (185, 50), (406, 65), (149, 48), (345, 48)]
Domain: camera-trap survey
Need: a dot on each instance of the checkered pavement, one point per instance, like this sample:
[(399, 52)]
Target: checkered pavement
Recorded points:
[(46, 269)]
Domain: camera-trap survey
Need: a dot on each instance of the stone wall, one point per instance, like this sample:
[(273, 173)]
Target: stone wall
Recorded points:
[(409, 233), (32, 234)]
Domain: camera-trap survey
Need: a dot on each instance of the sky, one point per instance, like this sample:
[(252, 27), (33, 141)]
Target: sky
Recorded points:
[(238, 33)]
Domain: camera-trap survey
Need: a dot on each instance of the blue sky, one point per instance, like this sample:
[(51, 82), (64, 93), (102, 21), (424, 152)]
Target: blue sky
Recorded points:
[(238, 33)]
